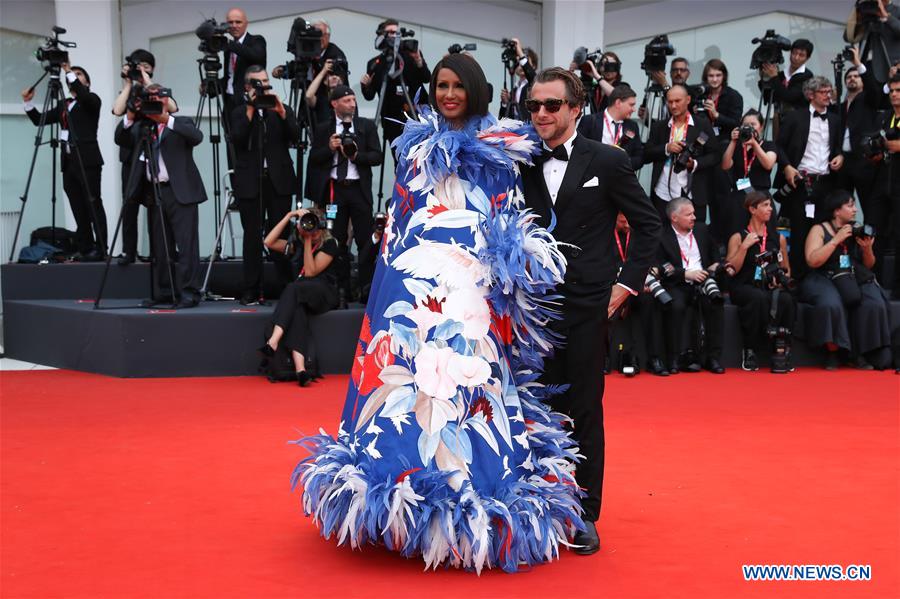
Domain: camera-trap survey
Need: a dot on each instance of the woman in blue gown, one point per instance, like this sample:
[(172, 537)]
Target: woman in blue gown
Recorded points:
[(445, 447)]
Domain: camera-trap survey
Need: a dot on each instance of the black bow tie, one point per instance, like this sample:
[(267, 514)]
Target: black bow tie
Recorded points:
[(559, 153), (821, 115)]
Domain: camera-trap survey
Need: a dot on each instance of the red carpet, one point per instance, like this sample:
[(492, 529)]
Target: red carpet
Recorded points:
[(179, 488)]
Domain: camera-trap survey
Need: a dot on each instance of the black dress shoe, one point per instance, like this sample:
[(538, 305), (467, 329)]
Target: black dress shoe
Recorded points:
[(689, 363), (188, 301), (303, 378), (125, 259), (248, 298), (587, 541), (157, 301), (94, 255), (832, 361), (714, 367), (143, 258), (656, 366)]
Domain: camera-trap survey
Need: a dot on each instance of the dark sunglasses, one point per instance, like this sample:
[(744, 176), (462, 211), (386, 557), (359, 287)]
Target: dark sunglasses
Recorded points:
[(551, 104)]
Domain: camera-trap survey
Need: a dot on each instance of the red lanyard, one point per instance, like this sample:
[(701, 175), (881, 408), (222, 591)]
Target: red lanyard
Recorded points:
[(619, 244), (747, 164), (684, 259), (763, 237), (613, 134), (683, 131)]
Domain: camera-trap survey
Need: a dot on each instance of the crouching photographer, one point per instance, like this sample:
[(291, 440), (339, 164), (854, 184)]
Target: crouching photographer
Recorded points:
[(312, 250), (760, 286), (689, 271)]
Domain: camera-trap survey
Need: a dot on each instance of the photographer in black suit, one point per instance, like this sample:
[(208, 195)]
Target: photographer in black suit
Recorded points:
[(785, 88), (809, 152), (614, 126), (243, 50), (666, 146), (584, 185), (264, 115), (78, 117), (181, 190), (512, 103)]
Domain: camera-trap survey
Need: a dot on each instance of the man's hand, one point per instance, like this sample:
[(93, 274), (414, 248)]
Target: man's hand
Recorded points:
[(675, 147), (504, 96), (791, 174), (659, 78), (417, 57), (278, 71), (892, 145), (691, 163), (334, 142), (28, 94), (769, 70), (365, 80), (616, 299), (279, 107), (855, 60), (837, 162), (697, 276), (66, 67), (519, 51)]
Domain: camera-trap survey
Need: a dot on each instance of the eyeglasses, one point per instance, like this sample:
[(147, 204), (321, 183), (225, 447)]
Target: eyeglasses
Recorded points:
[(551, 104), (679, 70)]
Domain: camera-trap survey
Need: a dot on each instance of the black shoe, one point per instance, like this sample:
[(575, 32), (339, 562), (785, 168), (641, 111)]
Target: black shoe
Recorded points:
[(144, 259), (249, 299), (748, 360), (655, 366), (713, 366), (265, 351), (303, 378), (673, 367), (588, 541), (125, 259), (188, 301), (94, 255), (832, 361), (860, 363), (157, 301), (689, 362)]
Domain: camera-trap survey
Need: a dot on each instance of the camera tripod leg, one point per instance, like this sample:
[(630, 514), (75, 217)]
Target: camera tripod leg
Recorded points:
[(226, 216)]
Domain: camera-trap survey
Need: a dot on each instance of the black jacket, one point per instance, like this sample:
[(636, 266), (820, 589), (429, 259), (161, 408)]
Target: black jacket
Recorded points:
[(861, 116), (394, 105), (591, 126), (252, 51), (82, 122), (176, 147), (793, 136), (669, 251), (279, 134), (586, 219), (730, 109), (318, 166), (517, 110), (700, 181), (790, 96)]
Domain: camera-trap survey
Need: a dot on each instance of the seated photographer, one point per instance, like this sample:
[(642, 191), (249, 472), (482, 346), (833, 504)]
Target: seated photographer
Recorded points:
[(785, 88), (687, 257), (325, 79), (683, 151), (748, 169), (759, 287), (614, 126), (512, 103), (263, 131), (850, 312), (312, 250)]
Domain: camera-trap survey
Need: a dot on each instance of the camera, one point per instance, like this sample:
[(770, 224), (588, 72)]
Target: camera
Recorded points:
[(658, 292), (709, 287), (875, 144), (771, 49), (262, 99), (457, 48), (380, 222), (781, 349), (339, 67), (655, 53), (692, 151), (304, 40), (348, 142), (51, 52), (698, 96), (141, 100), (868, 12), (847, 53), (134, 72), (768, 262), (746, 133), (509, 51), (404, 44), (310, 222), (212, 36), (863, 231)]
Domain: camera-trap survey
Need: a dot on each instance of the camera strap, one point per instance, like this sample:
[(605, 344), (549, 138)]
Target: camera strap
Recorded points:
[(747, 163)]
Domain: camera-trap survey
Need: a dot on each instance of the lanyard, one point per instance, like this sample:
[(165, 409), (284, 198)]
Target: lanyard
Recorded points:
[(747, 164), (614, 133), (678, 134), (895, 121), (684, 258), (619, 244), (763, 237)]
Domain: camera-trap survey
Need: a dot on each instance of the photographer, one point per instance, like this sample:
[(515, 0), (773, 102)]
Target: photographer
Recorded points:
[(683, 151), (322, 110), (809, 152), (264, 110), (723, 104), (243, 50), (614, 125), (748, 170), (889, 179), (78, 117), (787, 86), (339, 171), (679, 71), (757, 253), (512, 105), (881, 18), (313, 292), (411, 69), (687, 257), (368, 255), (600, 84), (850, 312)]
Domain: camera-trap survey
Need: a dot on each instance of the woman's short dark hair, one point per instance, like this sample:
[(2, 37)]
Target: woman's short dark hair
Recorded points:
[(715, 63), (833, 201), (574, 87), (478, 95), (141, 55), (755, 114), (755, 198)]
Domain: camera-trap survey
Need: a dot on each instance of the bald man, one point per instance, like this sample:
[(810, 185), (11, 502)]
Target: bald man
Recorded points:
[(243, 50)]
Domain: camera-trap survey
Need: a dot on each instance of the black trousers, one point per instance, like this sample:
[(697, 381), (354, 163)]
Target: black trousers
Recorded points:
[(272, 210), (180, 223), (579, 363), (352, 207), (300, 300), (754, 306), (794, 208), (687, 301), (88, 234)]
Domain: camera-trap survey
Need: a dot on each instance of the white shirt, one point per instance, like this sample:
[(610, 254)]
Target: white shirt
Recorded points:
[(788, 74), (667, 189), (555, 170), (229, 86), (162, 171), (815, 157), (689, 249), (352, 172), (609, 129)]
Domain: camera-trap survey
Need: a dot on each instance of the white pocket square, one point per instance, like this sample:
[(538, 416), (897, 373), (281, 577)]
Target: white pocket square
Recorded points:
[(592, 182)]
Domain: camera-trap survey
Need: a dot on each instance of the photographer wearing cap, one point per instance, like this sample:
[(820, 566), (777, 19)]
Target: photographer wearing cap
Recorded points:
[(787, 86), (409, 69), (512, 104), (244, 49), (78, 118), (267, 169), (614, 126), (339, 172)]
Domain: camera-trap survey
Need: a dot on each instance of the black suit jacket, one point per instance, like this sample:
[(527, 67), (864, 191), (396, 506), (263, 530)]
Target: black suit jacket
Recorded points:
[(252, 51), (862, 116), (82, 122), (700, 180), (279, 134), (591, 126), (318, 166), (793, 136), (668, 251), (393, 106), (176, 146), (790, 96), (586, 219), (730, 109), (517, 110)]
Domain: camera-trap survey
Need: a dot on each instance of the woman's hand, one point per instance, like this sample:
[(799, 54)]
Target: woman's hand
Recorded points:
[(735, 133), (750, 240), (865, 243), (843, 233)]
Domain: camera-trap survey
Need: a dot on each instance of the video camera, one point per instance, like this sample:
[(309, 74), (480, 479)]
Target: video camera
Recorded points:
[(261, 98), (509, 55), (692, 151), (212, 36), (304, 41), (402, 40), (144, 101), (457, 48), (52, 53), (655, 53), (868, 12), (771, 49)]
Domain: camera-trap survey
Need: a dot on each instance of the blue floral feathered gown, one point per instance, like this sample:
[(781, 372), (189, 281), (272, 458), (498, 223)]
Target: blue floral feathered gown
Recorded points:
[(446, 448)]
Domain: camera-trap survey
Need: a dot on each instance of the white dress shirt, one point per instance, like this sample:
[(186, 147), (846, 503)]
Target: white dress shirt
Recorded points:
[(689, 249), (609, 129), (668, 188), (162, 171), (555, 170), (352, 172), (788, 74), (229, 86), (818, 147)]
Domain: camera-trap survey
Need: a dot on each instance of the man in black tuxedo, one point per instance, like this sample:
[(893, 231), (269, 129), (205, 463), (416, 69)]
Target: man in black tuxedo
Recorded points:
[(584, 184), (342, 174), (180, 190), (270, 172), (785, 88), (614, 126), (512, 103), (686, 253), (78, 117), (809, 152), (243, 50), (667, 141)]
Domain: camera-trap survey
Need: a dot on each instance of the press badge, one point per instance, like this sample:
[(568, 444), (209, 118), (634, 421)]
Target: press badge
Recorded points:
[(743, 184), (810, 209), (716, 131), (331, 211), (844, 261), (757, 274)]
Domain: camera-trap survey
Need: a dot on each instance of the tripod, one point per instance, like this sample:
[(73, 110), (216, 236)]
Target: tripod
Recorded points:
[(766, 98), (148, 138), (54, 100), (394, 72), (653, 104)]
